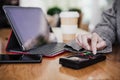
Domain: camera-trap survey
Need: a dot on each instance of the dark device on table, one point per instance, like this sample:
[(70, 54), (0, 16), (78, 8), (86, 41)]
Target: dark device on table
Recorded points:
[(30, 32), (20, 58), (81, 60)]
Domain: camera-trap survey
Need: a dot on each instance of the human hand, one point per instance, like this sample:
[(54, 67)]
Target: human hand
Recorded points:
[(92, 42)]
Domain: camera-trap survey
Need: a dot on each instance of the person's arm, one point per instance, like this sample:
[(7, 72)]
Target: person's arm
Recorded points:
[(107, 28)]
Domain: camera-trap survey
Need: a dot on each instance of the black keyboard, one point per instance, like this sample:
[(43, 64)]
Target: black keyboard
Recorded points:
[(51, 49)]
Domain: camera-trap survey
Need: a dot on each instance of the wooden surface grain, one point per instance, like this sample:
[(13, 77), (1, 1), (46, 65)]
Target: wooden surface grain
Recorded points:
[(50, 69)]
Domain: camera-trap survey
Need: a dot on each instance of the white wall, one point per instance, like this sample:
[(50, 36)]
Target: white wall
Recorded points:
[(91, 9)]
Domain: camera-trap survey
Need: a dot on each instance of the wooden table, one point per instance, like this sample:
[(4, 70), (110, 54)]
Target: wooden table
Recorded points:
[(50, 69)]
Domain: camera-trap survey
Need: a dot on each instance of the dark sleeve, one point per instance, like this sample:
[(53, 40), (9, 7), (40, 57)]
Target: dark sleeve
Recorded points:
[(107, 28)]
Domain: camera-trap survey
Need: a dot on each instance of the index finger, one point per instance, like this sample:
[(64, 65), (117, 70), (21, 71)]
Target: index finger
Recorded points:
[(94, 43)]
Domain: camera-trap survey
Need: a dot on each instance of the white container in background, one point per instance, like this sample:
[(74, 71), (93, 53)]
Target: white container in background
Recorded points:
[(69, 25)]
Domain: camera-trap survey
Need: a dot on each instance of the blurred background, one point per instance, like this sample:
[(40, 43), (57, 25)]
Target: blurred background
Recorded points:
[(90, 10)]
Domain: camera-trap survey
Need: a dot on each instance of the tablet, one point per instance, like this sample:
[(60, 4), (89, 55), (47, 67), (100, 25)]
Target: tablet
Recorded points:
[(29, 25)]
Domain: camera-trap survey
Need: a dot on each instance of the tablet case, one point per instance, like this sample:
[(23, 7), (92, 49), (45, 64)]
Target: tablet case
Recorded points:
[(48, 50), (15, 44)]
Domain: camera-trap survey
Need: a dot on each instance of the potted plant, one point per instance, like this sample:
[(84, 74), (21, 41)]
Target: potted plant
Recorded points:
[(53, 16)]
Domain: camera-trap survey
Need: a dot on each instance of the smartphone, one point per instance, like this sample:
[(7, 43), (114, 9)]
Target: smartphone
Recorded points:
[(81, 60), (20, 58)]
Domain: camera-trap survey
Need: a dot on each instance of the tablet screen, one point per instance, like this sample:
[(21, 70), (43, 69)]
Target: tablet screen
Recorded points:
[(29, 25)]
